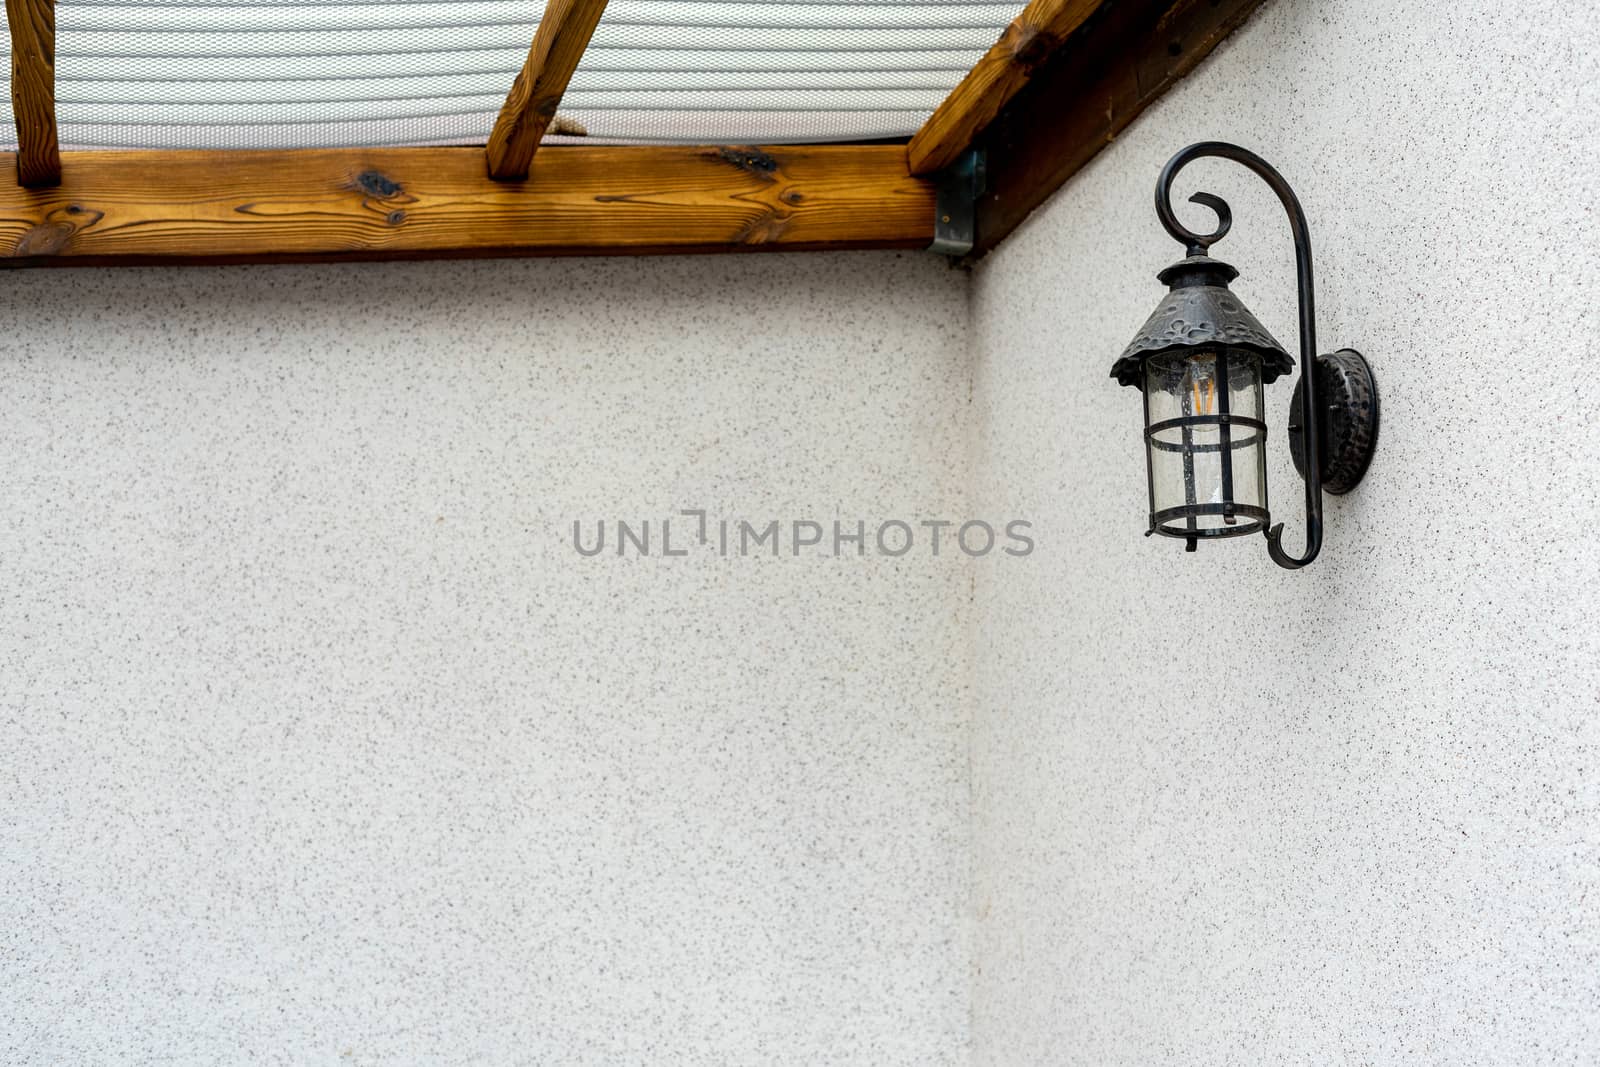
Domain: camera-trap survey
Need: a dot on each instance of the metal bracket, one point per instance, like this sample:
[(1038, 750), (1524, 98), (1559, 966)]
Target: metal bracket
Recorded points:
[(1347, 395), (955, 205)]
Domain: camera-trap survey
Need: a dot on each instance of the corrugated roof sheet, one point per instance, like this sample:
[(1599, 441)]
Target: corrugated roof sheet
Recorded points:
[(308, 73)]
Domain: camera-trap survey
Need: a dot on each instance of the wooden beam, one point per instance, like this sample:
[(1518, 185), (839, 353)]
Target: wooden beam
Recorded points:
[(998, 76), (400, 203), (33, 90), (1088, 93), (558, 44)]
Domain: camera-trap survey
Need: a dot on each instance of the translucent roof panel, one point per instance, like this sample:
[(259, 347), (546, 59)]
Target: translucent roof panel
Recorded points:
[(312, 73)]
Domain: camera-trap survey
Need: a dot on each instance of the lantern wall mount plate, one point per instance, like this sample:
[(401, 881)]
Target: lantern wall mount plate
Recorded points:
[(1201, 361)]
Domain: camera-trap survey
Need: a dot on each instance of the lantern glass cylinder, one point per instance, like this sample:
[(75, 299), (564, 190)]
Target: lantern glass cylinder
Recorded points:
[(1206, 442)]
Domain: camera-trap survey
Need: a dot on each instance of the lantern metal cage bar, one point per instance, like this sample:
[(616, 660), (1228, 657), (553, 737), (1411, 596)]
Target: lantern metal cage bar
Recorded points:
[(1227, 443)]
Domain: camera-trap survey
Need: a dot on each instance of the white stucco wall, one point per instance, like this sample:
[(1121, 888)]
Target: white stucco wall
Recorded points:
[(319, 743), (1226, 813)]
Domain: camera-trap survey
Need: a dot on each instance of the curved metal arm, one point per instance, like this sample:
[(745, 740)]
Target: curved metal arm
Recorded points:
[(1198, 245)]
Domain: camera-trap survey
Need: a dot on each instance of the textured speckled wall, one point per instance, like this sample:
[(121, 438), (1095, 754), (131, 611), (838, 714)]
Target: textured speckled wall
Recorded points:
[(320, 744), (1229, 814)]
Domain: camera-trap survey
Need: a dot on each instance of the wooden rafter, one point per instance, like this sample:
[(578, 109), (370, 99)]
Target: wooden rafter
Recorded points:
[(1002, 72), (33, 90), (1058, 106), (398, 203), (1087, 93), (558, 44)]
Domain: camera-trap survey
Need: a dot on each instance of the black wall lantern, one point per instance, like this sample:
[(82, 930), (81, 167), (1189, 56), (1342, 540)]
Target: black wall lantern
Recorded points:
[(1201, 361)]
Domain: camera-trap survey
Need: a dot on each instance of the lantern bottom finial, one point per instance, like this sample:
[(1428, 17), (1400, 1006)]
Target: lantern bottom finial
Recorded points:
[(1348, 420)]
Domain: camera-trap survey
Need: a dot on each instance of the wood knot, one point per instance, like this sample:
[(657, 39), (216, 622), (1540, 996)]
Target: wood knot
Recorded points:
[(750, 160), (55, 233), (376, 183), (1028, 44), (379, 193), (765, 228), (45, 239)]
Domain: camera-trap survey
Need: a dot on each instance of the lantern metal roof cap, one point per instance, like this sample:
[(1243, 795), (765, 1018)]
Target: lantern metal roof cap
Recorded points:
[(1200, 311)]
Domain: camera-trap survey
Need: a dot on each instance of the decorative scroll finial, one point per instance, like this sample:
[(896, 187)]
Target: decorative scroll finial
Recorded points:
[(1198, 244)]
